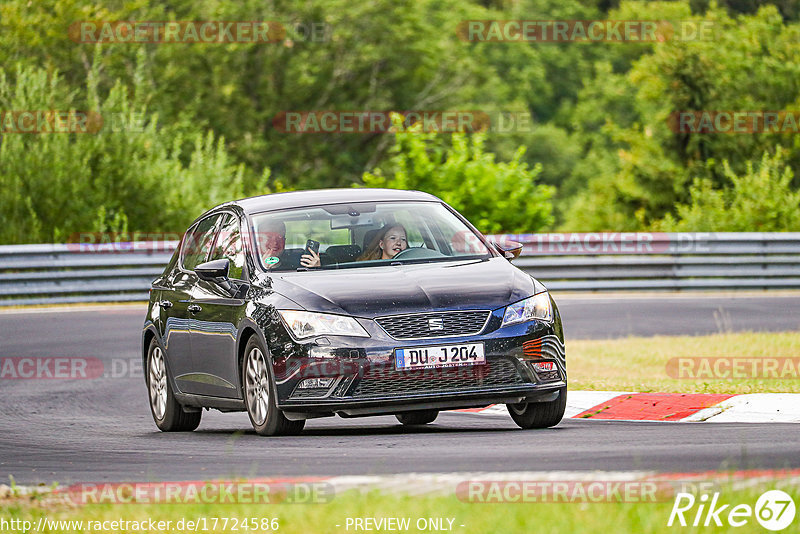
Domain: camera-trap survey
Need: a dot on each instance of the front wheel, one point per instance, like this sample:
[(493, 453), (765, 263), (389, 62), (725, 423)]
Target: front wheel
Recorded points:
[(167, 413), (539, 414), (420, 417), (259, 393)]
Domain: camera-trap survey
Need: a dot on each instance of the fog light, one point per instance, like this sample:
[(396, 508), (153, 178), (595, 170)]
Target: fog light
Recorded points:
[(543, 367), (315, 383), (546, 371)]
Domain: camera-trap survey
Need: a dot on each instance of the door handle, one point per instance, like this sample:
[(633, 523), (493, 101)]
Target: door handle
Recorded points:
[(194, 308), (165, 304)]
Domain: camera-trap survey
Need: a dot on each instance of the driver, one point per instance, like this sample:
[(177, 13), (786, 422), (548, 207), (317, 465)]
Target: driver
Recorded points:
[(387, 244), (272, 242)]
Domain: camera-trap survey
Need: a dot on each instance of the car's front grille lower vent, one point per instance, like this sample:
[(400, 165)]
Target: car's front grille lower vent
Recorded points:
[(441, 324), (378, 382), (309, 393)]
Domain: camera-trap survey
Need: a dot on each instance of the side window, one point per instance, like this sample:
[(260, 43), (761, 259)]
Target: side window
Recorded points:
[(197, 243), (229, 245)]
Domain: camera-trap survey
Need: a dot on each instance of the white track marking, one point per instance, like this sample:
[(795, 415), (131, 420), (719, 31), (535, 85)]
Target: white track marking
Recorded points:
[(753, 408)]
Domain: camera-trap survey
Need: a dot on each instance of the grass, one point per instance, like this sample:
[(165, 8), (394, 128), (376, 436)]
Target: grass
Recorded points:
[(635, 364), (640, 364), (332, 517)]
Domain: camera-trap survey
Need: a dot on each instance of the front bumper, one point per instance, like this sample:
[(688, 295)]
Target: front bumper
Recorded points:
[(365, 381)]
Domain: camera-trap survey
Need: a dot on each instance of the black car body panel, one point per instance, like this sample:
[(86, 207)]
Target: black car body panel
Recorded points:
[(489, 284), (203, 326)]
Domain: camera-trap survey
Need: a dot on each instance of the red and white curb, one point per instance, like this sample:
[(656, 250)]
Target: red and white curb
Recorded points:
[(682, 407)]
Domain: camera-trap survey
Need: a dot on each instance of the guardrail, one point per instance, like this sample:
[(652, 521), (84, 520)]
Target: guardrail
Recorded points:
[(661, 261), (67, 273)]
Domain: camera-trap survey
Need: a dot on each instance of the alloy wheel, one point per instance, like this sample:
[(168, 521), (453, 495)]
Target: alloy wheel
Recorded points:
[(158, 384), (257, 386)]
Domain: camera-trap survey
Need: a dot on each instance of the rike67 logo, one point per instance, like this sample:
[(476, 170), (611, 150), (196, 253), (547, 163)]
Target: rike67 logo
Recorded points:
[(774, 510)]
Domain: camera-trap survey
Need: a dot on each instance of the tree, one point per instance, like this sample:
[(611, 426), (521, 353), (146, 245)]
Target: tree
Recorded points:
[(129, 174), (498, 197), (642, 165), (761, 199)]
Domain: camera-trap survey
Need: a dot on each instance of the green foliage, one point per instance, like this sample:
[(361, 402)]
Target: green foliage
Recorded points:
[(641, 167), (496, 196), (130, 174), (761, 200), (600, 142)]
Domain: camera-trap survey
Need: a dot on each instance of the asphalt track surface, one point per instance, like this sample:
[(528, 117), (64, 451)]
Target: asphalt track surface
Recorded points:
[(101, 429)]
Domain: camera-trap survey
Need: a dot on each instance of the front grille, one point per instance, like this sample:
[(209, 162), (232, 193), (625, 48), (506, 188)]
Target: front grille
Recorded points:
[(388, 381), (422, 325), (309, 392)]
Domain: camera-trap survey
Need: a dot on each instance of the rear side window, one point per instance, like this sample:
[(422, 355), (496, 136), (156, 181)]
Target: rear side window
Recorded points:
[(197, 243), (229, 245)]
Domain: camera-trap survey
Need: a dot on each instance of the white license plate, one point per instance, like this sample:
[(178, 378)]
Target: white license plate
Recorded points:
[(439, 356)]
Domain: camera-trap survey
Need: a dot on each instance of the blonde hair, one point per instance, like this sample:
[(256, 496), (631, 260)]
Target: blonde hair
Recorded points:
[(373, 250)]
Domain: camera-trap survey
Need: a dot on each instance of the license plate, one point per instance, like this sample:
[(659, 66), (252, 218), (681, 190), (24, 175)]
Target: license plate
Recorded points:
[(439, 356)]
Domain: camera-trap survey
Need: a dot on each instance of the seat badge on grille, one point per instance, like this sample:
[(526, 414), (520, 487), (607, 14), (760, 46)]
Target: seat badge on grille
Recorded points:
[(436, 323)]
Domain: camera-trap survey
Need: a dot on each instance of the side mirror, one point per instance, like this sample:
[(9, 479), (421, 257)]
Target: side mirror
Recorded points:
[(509, 249), (213, 270)]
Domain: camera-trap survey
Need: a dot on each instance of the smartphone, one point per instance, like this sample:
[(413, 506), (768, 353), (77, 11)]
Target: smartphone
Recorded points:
[(312, 245)]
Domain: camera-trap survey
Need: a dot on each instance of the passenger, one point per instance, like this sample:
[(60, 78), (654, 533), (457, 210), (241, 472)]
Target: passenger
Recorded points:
[(389, 242), (272, 241)]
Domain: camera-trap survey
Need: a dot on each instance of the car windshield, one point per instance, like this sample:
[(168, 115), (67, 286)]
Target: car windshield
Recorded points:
[(363, 235)]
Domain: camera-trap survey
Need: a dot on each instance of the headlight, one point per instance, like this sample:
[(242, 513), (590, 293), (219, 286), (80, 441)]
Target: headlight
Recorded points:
[(307, 324), (535, 307)]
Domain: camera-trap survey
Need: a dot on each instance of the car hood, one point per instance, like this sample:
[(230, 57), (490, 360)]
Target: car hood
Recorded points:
[(375, 291)]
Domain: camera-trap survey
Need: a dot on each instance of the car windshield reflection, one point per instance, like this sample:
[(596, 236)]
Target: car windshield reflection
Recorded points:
[(346, 236)]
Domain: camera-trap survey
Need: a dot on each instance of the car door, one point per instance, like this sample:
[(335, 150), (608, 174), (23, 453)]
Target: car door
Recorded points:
[(215, 324), (177, 306)]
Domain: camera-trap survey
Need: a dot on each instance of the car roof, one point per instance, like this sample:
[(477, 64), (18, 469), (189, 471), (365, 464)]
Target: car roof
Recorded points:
[(317, 197)]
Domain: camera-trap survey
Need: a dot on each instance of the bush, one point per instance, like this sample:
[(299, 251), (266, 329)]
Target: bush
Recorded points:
[(760, 200), (131, 174), (496, 197)]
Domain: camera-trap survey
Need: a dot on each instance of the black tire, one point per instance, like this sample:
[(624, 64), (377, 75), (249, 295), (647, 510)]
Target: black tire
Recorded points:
[(539, 414), (421, 417), (266, 418), (167, 413)]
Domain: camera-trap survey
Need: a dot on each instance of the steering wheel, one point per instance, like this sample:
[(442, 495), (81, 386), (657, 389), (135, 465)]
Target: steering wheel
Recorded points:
[(402, 253), (416, 253)]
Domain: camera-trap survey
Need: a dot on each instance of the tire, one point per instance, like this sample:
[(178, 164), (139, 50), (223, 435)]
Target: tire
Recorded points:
[(421, 417), (539, 414), (259, 394), (167, 413)]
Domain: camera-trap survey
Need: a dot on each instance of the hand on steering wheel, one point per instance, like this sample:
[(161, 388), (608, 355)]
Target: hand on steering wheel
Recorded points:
[(403, 252)]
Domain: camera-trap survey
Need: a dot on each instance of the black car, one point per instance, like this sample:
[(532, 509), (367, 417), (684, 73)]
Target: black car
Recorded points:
[(353, 302)]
